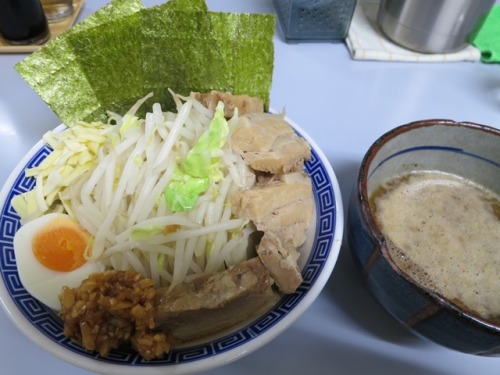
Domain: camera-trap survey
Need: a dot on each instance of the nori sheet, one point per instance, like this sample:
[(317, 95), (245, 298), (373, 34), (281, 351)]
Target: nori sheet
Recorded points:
[(180, 53), (56, 75), (125, 51), (245, 40), (110, 58)]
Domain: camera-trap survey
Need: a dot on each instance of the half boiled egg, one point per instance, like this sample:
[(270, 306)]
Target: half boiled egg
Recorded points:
[(50, 254)]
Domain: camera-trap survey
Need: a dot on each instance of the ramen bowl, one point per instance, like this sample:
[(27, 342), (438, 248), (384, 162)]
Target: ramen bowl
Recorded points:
[(467, 150), (45, 328)]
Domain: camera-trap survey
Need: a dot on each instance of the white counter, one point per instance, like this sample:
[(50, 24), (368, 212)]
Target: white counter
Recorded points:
[(344, 105)]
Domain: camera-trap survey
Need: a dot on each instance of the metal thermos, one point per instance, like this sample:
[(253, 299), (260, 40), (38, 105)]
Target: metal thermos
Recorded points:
[(431, 26)]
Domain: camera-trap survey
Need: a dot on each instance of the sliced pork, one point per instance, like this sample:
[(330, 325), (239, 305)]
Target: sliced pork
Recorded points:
[(244, 103), (268, 143), (211, 303), (282, 207)]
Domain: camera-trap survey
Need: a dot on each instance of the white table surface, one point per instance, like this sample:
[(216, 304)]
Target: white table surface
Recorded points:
[(344, 105)]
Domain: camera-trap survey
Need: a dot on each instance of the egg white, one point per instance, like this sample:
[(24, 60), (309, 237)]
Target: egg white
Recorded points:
[(41, 282)]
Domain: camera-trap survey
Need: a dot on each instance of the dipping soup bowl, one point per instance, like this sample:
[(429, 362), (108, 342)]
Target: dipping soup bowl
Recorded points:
[(468, 150)]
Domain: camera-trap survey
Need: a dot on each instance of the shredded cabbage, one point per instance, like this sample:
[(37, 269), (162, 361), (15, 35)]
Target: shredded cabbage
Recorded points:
[(201, 166), (74, 154)]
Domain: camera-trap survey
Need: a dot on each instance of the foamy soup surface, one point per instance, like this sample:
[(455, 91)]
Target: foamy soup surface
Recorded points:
[(444, 231)]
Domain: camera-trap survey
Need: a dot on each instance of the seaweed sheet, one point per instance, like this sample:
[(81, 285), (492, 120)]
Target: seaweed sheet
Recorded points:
[(55, 74), (110, 59), (245, 42), (124, 51), (169, 63)]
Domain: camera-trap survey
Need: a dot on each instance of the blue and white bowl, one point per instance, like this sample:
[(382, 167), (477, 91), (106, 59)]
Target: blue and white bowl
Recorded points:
[(44, 327), (468, 150)]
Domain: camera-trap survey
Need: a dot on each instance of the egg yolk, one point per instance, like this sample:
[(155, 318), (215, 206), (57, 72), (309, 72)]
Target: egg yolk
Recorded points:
[(60, 245)]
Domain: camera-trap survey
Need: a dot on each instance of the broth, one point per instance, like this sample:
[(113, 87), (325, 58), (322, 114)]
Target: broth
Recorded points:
[(444, 231)]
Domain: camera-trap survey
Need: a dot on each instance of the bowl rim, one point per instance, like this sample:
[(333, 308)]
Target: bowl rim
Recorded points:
[(204, 364), (376, 233)]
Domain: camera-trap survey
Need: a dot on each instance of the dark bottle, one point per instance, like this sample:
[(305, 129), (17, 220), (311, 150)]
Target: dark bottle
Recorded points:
[(23, 22)]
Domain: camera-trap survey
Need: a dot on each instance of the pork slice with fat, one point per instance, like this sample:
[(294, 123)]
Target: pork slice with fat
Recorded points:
[(282, 208), (244, 103), (268, 143), (211, 303)]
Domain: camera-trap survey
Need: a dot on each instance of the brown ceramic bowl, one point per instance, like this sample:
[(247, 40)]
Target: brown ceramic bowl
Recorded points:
[(468, 150)]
